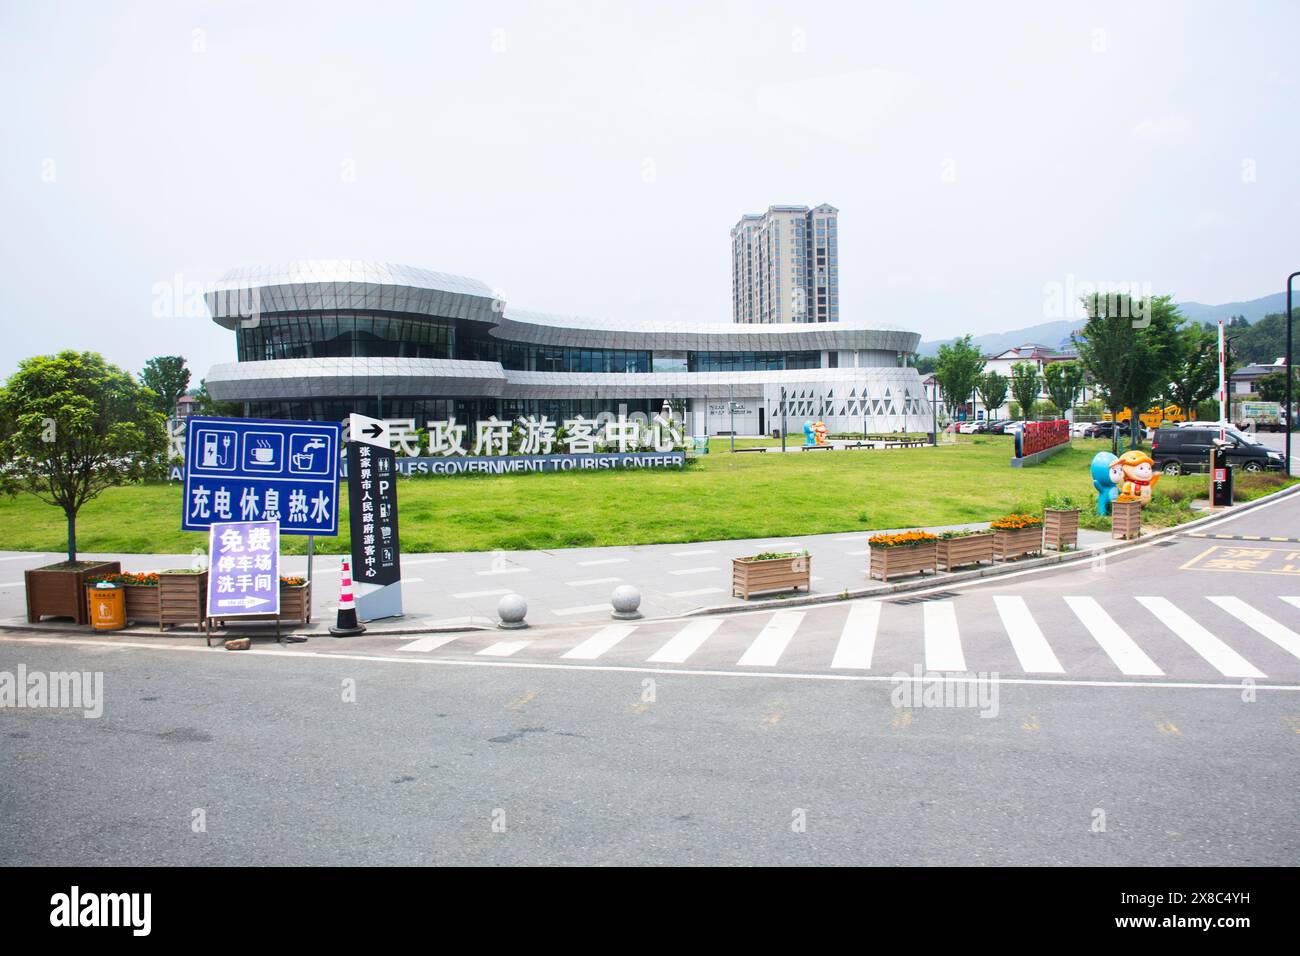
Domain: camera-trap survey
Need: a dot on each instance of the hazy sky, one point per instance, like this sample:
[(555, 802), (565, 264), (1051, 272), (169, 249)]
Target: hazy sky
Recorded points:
[(591, 158)]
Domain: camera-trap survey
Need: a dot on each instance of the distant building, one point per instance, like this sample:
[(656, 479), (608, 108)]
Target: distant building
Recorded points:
[(785, 266), (1245, 381), (186, 406), (1040, 356)]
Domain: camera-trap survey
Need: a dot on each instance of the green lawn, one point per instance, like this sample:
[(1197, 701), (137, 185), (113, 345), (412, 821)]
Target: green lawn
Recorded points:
[(723, 496)]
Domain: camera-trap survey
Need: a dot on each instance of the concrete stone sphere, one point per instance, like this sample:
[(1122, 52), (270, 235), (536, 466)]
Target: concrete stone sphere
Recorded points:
[(625, 600), (512, 609)]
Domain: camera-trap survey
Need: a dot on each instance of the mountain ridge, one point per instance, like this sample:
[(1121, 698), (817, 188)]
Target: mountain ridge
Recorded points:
[(1057, 333)]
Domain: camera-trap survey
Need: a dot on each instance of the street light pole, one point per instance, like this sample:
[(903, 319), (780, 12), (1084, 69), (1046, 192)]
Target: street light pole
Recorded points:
[(1289, 424), (783, 418)]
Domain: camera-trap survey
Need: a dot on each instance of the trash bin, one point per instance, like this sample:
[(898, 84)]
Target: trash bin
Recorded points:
[(107, 606)]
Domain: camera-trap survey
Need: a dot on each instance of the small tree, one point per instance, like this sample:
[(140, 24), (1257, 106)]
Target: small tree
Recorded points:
[(1129, 348), (169, 378), (1272, 387), (1024, 386), (993, 391), (74, 425), (1063, 381), (1195, 375), (957, 369)]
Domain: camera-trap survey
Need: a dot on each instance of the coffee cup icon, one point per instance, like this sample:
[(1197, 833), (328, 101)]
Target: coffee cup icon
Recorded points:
[(263, 453)]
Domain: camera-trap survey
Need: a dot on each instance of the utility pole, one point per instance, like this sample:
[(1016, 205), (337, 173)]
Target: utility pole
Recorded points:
[(1289, 424), (1223, 390)]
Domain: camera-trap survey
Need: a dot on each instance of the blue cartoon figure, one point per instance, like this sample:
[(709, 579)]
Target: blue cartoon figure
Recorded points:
[(1107, 476)]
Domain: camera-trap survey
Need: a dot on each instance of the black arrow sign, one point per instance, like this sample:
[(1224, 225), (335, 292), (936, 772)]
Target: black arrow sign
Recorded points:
[(374, 430)]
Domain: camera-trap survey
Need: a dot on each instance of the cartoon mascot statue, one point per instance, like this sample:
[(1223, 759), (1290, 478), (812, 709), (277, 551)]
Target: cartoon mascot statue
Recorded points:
[(1107, 475), (1130, 477), (1140, 477), (814, 433)]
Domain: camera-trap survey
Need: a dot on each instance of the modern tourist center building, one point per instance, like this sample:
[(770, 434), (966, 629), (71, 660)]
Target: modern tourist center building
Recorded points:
[(322, 339)]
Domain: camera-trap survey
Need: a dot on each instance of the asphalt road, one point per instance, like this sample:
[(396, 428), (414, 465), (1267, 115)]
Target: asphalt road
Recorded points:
[(766, 740)]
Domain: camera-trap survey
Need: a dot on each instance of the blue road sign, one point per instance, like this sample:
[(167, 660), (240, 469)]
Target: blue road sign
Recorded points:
[(248, 469), (243, 568)]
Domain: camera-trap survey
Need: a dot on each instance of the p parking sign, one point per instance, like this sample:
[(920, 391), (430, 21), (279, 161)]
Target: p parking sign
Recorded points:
[(246, 469)]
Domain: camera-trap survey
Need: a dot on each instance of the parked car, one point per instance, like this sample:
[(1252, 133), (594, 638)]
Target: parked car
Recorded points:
[(1080, 429), (1107, 429), (1177, 451), (969, 428)]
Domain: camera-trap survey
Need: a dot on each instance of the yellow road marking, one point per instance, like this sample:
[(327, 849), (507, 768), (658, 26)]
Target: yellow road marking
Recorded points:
[(1030, 723), (1188, 565), (640, 707), (1167, 729), (522, 701), (901, 719)]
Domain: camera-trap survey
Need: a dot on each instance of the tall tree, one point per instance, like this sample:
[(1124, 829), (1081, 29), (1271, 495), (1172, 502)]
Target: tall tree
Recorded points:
[(72, 425), (169, 378), (1129, 346), (1063, 381), (957, 369), (1025, 387), (1195, 373), (993, 391)]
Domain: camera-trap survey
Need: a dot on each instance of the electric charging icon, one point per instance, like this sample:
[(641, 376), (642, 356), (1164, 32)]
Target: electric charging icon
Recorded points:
[(217, 450)]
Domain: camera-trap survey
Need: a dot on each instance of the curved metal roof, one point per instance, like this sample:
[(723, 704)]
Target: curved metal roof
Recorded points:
[(334, 284)]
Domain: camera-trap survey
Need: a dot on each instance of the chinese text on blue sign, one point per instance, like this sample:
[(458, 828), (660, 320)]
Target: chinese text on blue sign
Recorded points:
[(244, 469), (243, 568)]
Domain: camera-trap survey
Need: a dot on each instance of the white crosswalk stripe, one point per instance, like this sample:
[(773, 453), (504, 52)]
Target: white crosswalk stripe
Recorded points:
[(504, 648), (942, 639), (1279, 634), (1036, 655), (857, 635), (600, 642), (858, 639), (685, 642), (1131, 660), (1219, 655), (767, 648), (426, 644)]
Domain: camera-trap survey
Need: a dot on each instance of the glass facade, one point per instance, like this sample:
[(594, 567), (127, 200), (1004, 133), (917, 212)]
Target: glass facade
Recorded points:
[(750, 361), (344, 334), (550, 358), (365, 334), (424, 410)]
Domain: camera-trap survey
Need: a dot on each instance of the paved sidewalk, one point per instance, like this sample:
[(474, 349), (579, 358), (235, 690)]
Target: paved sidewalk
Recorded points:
[(562, 586)]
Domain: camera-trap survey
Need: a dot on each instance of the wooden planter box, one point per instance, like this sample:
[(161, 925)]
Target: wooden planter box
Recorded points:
[(904, 559), (182, 599), (1016, 544), (295, 603), (55, 592), (773, 574), (968, 549), (1061, 529), (142, 605), (1126, 519)]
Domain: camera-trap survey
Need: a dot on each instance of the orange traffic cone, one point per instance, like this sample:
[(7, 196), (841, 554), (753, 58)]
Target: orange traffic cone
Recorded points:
[(347, 624)]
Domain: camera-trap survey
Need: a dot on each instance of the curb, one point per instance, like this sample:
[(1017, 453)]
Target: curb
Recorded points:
[(992, 570)]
